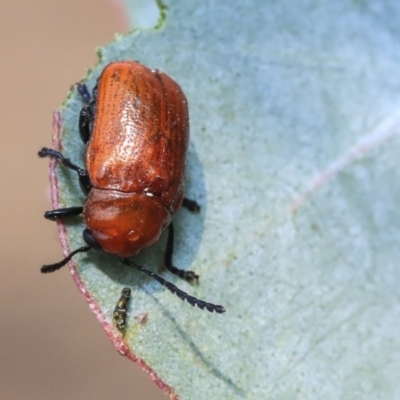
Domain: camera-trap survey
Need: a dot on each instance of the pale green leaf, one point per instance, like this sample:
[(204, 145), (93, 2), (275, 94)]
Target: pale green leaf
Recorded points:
[(294, 159)]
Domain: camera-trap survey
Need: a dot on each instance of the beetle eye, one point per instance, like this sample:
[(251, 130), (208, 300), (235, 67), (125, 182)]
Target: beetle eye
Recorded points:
[(90, 240)]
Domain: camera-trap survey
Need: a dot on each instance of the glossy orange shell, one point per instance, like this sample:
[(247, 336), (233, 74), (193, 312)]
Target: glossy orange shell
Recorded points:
[(141, 133), (135, 157)]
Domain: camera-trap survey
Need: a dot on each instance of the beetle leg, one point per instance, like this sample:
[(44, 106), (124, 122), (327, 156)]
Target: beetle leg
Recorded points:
[(173, 289), (56, 266), (84, 92), (83, 176), (86, 123), (189, 276), (191, 205), (53, 215)]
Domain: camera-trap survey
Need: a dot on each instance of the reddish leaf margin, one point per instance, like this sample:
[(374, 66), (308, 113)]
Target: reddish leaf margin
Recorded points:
[(116, 338)]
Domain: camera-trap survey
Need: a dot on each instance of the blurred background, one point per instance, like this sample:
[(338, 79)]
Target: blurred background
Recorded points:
[(51, 345)]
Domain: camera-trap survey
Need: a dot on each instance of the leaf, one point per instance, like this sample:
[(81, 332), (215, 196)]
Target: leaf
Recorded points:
[(295, 116)]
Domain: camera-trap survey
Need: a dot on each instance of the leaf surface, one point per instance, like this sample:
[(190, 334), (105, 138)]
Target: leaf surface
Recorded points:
[(295, 122)]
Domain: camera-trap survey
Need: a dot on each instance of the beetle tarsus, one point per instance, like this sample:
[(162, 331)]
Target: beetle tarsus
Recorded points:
[(175, 290), (56, 266), (188, 276), (84, 92), (191, 205)]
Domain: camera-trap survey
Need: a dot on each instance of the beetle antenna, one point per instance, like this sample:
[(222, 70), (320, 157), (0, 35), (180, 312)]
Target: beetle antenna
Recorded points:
[(56, 266), (175, 290)]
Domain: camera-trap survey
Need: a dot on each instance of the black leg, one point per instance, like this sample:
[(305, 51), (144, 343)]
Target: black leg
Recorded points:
[(191, 205), (173, 289), (86, 119), (53, 215), (56, 266), (86, 116), (84, 92), (189, 276), (83, 177)]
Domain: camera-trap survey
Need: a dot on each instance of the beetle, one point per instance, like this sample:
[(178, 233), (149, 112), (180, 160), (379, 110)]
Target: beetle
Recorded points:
[(135, 126)]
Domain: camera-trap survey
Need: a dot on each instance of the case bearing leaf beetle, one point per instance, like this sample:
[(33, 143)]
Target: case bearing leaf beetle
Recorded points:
[(135, 126), (121, 308)]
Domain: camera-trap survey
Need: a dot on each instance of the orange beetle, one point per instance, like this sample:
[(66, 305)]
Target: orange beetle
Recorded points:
[(136, 129)]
